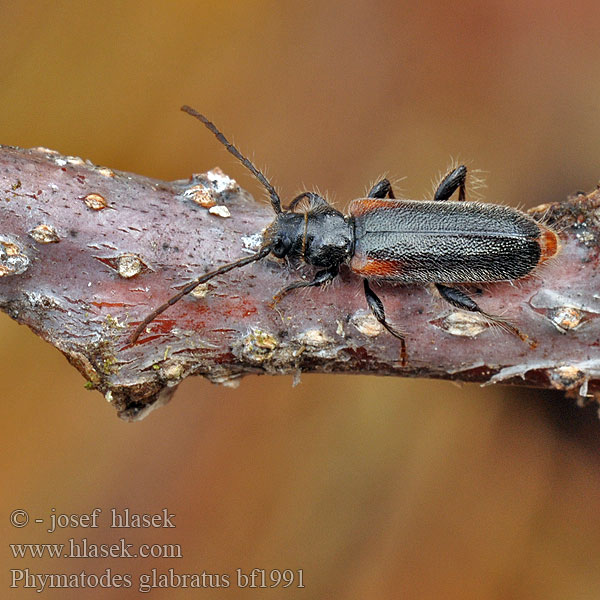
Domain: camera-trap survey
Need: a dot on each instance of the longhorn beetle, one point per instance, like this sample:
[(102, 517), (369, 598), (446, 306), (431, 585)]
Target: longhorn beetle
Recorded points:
[(406, 241)]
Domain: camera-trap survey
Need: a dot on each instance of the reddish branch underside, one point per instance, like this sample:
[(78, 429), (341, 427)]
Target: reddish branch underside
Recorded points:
[(87, 252)]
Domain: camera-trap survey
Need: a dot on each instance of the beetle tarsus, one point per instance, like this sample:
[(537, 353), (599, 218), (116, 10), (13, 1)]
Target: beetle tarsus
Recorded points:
[(321, 278), (376, 306)]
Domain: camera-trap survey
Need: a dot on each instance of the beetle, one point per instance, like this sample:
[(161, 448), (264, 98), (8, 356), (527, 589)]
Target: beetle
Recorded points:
[(388, 239)]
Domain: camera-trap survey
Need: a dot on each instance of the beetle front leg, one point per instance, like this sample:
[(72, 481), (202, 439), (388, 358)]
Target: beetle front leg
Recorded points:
[(454, 180), (382, 189), (321, 278), (376, 306), (459, 299)]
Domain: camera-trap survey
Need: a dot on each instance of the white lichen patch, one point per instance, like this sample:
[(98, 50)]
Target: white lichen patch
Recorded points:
[(40, 300), (464, 324), (566, 377), (315, 338), (229, 380), (585, 235), (173, 371), (264, 340), (366, 323), (129, 265), (200, 290), (220, 211), (62, 161), (573, 376), (13, 260), (105, 171), (95, 201), (253, 242), (44, 234), (43, 150), (552, 300), (114, 322), (258, 346), (221, 182), (565, 318), (201, 195), (207, 191), (567, 310)]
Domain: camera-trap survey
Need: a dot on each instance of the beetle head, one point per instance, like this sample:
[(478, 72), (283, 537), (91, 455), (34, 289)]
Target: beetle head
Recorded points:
[(284, 235)]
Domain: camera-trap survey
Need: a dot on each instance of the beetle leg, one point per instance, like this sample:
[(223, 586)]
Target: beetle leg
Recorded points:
[(321, 278), (448, 185), (376, 306), (382, 189), (459, 299), (315, 201)]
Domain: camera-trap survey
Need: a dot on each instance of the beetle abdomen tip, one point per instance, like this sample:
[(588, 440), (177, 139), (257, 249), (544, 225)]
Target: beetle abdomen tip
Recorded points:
[(549, 244)]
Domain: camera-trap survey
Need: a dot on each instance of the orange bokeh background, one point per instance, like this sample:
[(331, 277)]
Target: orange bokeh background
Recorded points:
[(375, 488)]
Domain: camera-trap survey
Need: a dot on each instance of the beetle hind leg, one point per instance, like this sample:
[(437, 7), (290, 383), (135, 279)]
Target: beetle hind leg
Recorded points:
[(376, 306), (459, 299), (382, 189), (455, 179)]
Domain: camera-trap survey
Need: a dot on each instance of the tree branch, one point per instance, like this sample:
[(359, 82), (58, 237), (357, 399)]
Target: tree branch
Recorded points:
[(86, 253)]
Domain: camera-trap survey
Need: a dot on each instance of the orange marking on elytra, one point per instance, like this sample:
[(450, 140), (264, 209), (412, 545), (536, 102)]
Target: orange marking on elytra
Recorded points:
[(362, 206), (374, 268), (549, 244)]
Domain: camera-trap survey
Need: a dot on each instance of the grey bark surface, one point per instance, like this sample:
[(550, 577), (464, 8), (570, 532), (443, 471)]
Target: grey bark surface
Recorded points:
[(86, 253)]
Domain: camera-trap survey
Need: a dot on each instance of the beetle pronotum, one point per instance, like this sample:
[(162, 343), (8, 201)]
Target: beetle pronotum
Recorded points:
[(406, 241)]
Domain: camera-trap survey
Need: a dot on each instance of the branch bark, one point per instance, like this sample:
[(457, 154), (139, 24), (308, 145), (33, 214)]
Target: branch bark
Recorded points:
[(87, 252)]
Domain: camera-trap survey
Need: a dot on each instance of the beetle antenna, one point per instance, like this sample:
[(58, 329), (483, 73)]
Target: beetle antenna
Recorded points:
[(189, 287), (275, 200)]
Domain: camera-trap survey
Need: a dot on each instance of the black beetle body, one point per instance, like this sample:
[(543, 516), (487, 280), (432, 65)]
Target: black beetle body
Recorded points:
[(455, 242), (406, 241)]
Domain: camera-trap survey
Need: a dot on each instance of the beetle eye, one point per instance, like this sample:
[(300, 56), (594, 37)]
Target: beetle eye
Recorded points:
[(279, 248)]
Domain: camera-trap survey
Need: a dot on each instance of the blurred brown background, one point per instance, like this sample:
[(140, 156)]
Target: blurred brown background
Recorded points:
[(374, 488)]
